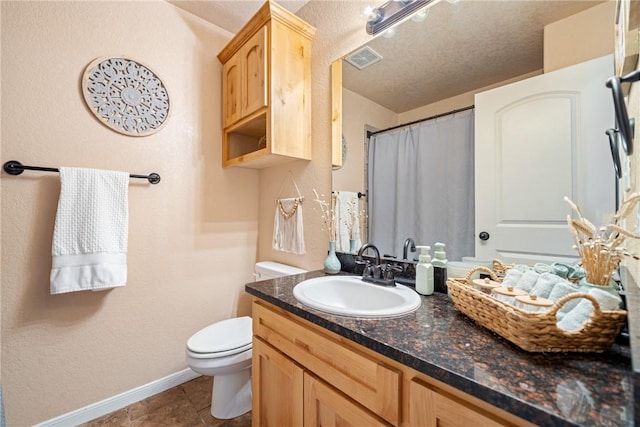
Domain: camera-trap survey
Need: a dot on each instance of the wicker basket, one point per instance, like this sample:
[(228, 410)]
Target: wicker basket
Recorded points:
[(536, 331)]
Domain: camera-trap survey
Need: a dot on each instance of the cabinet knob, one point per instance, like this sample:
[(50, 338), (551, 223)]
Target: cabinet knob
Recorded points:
[(484, 235)]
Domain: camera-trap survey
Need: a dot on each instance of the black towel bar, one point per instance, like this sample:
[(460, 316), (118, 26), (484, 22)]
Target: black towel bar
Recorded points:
[(14, 167)]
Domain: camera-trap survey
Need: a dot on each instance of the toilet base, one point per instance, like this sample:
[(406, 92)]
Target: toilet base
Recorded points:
[(231, 396)]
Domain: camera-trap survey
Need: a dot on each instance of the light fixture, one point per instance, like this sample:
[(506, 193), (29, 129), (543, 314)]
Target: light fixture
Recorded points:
[(391, 13)]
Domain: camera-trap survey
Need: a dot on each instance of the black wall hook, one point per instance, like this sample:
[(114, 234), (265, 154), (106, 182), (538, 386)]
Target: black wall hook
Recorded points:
[(615, 154), (622, 117)]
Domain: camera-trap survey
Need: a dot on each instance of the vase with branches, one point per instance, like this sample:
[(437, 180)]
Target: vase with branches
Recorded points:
[(602, 249), (328, 215), (352, 222)]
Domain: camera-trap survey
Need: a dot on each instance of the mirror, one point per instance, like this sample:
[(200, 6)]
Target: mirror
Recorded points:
[(434, 66)]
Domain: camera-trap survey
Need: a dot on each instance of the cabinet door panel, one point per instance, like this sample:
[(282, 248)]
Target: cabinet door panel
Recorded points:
[(326, 407), (277, 387), (231, 86), (429, 408), (371, 383), (255, 65)]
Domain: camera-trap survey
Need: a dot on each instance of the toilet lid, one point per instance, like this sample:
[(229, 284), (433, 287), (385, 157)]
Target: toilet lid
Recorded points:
[(230, 334)]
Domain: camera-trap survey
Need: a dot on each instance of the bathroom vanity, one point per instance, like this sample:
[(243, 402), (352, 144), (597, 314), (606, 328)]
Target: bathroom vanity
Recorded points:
[(431, 367)]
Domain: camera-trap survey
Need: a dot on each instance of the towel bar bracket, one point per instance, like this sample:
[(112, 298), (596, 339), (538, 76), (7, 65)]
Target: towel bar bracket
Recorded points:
[(14, 167)]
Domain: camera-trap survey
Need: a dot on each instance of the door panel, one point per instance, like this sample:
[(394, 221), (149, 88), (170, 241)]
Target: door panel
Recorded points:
[(231, 84), (255, 60), (538, 141)]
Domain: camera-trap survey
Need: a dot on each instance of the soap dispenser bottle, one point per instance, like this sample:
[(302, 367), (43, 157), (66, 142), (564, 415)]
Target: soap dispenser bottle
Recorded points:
[(439, 268), (424, 272)]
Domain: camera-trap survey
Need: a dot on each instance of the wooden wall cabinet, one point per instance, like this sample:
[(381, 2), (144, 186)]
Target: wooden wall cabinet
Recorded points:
[(266, 90), (304, 375)]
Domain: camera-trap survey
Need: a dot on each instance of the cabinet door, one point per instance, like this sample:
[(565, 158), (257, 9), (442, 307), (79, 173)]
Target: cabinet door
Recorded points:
[(254, 60), (231, 90), (277, 387), (324, 406), (429, 408)]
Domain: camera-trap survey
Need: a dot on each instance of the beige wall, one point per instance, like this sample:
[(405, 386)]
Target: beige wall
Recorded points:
[(358, 111), (580, 37), (192, 238)]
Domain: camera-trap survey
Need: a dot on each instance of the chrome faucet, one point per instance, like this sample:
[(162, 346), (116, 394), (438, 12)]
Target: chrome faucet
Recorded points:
[(376, 273), (409, 245)]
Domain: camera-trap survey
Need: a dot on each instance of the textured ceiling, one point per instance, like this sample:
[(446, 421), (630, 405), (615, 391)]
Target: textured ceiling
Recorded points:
[(230, 15), (459, 47)]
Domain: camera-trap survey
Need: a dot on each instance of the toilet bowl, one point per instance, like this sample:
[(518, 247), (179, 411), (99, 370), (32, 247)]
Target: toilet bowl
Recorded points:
[(223, 350)]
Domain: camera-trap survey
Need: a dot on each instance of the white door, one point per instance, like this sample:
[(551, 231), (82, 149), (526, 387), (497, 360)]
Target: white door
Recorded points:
[(537, 141)]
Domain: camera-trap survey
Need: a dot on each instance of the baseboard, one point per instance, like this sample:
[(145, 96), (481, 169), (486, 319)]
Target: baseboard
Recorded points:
[(106, 406)]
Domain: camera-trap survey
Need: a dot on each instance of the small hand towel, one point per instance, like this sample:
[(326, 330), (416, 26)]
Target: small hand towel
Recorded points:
[(91, 231)]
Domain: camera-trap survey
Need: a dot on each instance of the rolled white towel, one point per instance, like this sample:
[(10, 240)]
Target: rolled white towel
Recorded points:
[(543, 268), (512, 277), (527, 281), (544, 285), (561, 289), (607, 300), (577, 316)]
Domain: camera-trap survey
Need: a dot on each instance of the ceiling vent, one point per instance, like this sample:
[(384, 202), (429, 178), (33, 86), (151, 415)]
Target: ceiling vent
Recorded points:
[(363, 57)]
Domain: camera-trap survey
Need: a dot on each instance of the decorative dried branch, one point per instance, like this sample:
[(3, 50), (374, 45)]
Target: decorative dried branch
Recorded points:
[(601, 250), (328, 214), (353, 217)]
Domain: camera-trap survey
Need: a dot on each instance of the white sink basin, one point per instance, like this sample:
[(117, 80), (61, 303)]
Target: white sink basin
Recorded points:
[(350, 296)]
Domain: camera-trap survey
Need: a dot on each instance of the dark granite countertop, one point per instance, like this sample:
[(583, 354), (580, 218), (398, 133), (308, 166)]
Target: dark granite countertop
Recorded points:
[(548, 389), (633, 310)]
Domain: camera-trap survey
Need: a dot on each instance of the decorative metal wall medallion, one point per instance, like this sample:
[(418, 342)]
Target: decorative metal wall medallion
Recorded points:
[(126, 96)]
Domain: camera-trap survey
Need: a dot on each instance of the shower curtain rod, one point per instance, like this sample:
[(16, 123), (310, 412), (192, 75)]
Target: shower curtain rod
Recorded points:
[(459, 110)]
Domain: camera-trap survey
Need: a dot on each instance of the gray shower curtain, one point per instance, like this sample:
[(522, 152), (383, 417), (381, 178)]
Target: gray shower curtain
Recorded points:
[(421, 185)]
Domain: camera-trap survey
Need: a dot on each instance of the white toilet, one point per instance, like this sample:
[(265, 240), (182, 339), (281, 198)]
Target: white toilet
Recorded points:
[(223, 350)]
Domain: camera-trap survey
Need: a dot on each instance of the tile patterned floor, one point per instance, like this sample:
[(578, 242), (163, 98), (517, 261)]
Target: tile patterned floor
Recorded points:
[(186, 405)]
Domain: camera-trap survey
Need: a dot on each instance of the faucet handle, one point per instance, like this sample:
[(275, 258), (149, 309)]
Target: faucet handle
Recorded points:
[(361, 261), (390, 270)]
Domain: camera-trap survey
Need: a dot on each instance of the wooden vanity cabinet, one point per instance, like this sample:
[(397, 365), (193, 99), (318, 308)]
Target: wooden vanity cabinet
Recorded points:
[(305, 375), (266, 90)]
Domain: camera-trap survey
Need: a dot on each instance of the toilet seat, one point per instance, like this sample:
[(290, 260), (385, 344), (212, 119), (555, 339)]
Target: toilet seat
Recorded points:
[(221, 339)]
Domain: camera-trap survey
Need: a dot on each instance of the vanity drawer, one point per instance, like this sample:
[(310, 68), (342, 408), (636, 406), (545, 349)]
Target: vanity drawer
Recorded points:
[(374, 385)]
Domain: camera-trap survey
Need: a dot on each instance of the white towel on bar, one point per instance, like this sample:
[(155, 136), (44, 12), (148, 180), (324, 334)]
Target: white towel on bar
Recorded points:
[(342, 214), (91, 231)]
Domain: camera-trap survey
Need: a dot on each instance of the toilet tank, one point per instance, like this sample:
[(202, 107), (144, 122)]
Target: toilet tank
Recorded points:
[(265, 270)]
